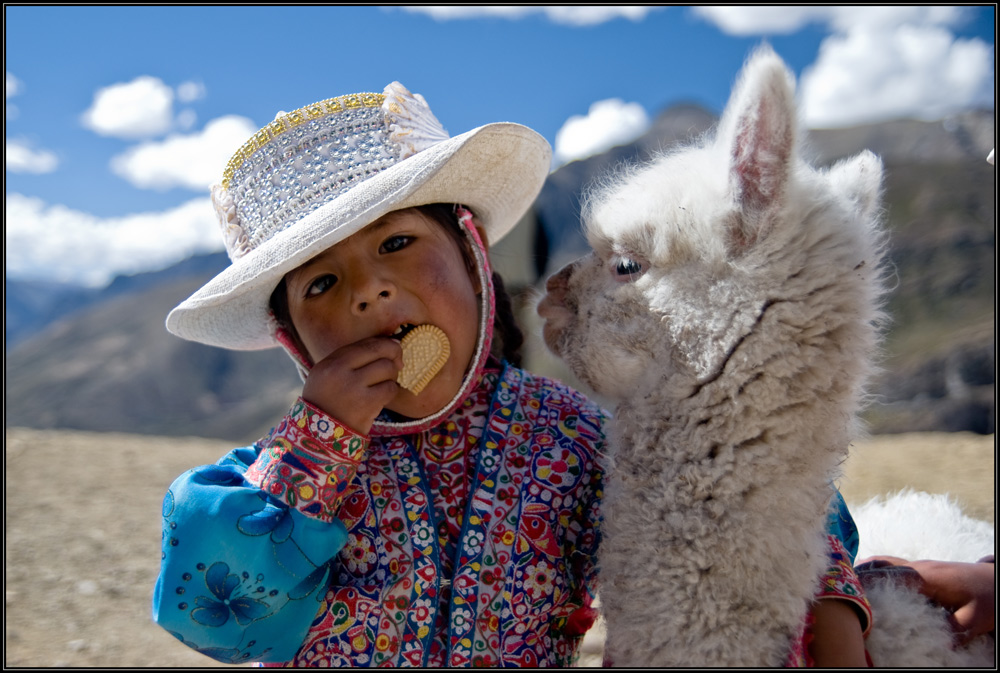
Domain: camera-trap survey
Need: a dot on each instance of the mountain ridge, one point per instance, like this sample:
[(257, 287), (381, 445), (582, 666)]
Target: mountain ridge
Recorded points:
[(102, 360)]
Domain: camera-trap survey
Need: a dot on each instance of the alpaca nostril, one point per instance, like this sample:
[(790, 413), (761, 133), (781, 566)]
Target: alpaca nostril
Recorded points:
[(558, 281)]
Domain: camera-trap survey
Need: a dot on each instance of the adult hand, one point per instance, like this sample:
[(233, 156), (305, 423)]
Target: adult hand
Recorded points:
[(966, 590)]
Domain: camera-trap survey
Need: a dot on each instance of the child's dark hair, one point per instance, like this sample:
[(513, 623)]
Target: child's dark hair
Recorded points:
[(507, 336)]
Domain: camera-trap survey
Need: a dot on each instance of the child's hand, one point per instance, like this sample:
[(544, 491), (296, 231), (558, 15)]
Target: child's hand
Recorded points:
[(354, 383), (967, 590)]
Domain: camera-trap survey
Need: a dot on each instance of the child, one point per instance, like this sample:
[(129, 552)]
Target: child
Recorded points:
[(375, 526)]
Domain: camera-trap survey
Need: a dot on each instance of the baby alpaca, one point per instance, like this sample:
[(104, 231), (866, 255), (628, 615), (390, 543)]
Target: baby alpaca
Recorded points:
[(730, 309)]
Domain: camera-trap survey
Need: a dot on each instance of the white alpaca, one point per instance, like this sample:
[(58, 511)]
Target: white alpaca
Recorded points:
[(730, 310)]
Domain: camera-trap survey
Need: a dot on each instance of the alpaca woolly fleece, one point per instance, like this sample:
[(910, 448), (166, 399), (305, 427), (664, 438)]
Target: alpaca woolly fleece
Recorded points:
[(730, 309)]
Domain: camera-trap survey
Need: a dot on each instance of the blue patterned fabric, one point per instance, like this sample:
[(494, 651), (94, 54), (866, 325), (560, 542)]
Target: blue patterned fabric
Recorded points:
[(840, 524), (236, 582)]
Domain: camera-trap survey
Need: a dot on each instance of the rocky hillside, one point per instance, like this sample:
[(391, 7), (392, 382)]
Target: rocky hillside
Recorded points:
[(114, 367), (103, 361)]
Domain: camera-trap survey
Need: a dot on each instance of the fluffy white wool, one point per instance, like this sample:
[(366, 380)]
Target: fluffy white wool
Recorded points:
[(915, 525)]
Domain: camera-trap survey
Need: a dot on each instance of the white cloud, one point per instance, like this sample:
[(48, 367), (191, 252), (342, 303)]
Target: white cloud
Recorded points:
[(871, 75), (186, 119), (890, 17), (20, 157), (13, 85), (781, 20), (188, 92), (53, 242), (608, 123), (141, 108), (753, 20), (563, 14), (879, 63), (193, 161)]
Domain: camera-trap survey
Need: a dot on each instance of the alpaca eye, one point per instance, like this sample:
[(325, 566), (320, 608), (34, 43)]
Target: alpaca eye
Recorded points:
[(628, 269)]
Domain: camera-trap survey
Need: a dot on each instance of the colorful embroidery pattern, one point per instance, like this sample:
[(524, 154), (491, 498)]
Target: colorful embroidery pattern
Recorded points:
[(840, 581), (502, 580), (308, 462)]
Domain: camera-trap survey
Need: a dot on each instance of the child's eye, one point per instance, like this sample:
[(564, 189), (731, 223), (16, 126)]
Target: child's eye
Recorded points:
[(394, 243), (320, 285), (628, 269)]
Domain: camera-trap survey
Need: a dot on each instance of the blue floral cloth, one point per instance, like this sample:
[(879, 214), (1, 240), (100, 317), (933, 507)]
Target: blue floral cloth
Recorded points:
[(840, 524), (235, 583)]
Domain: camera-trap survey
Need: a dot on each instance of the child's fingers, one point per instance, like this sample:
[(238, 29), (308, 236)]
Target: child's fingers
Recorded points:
[(886, 568), (373, 374), (357, 355), (875, 562), (355, 382)]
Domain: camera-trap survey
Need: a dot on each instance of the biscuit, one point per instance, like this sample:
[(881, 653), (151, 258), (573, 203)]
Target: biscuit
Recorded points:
[(425, 350)]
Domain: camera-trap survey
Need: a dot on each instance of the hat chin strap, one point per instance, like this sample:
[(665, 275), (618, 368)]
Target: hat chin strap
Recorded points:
[(302, 364), (487, 311)]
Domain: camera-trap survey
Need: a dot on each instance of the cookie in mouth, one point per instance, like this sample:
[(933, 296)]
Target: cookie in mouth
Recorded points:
[(425, 351), (402, 331)]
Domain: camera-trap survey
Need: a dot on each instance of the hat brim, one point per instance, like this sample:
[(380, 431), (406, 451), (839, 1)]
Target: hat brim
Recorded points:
[(497, 170)]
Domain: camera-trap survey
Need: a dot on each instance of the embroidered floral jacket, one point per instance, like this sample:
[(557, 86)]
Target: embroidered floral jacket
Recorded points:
[(470, 543)]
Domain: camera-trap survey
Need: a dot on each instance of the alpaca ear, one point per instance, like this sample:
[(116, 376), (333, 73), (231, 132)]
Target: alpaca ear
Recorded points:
[(859, 181), (758, 131)]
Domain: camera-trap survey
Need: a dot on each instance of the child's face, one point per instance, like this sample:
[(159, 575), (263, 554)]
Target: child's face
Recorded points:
[(403, 269)]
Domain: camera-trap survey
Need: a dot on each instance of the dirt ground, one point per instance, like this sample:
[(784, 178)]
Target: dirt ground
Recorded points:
[(82, 524)]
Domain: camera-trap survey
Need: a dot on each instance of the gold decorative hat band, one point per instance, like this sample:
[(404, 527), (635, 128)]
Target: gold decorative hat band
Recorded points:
[(309, 157), (288, 122)]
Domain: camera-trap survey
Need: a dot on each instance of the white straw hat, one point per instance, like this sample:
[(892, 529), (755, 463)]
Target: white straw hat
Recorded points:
[(317, 175)]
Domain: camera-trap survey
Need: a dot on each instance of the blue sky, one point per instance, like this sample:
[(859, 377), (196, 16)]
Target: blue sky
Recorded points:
[(119, 118)]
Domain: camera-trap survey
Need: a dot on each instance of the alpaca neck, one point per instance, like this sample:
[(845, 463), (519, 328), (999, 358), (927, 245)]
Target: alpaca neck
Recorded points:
[(729, 498), (770, 432)]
